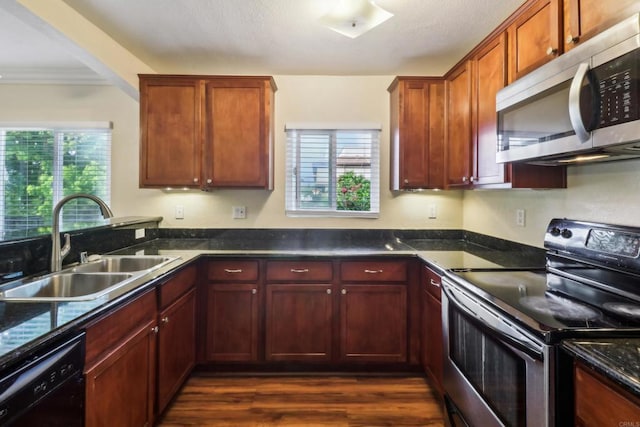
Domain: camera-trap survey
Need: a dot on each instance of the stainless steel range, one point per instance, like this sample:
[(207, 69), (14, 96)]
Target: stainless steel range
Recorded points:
[(501, 329)]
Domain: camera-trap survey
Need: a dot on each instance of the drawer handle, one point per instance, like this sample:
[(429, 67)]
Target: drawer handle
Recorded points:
[(373, 271), (299, 270), (233, 271), (434, 283)]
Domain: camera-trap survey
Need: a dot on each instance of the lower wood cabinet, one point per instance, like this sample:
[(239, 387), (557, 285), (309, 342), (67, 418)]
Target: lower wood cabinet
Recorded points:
[(373, 323), (120, 366), (298, 322), (176, 347), (599, 402), (432, 346)]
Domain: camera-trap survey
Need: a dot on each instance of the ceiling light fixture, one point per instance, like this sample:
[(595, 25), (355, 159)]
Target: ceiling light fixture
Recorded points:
[(353, 18)]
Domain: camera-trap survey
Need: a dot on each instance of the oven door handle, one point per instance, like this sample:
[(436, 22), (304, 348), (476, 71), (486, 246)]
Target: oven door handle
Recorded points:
[(500, 327)]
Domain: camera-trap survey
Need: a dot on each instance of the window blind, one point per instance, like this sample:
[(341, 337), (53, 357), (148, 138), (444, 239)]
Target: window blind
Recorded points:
[(333, 172), (39, 165)]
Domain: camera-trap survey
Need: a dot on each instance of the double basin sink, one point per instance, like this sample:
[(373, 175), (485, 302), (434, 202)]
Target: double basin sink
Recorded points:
[(86, 281)]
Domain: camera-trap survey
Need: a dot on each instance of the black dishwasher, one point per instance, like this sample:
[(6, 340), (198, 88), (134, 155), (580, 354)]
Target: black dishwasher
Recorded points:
[(46, 389)]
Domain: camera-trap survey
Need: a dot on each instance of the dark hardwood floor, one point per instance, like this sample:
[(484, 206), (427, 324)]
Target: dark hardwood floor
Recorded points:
[(211, 400)]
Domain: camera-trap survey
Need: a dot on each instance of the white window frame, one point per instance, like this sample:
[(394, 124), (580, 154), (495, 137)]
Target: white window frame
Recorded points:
[(293, 201)]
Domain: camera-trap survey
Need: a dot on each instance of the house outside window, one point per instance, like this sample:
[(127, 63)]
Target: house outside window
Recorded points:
[(333, 171), (41, 164)]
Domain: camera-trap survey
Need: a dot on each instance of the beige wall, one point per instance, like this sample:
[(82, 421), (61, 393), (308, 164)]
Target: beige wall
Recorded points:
[(605, 192), (299, 99)]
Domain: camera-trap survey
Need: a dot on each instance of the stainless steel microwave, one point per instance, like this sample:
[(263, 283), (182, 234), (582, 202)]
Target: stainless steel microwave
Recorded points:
[(582, 106)]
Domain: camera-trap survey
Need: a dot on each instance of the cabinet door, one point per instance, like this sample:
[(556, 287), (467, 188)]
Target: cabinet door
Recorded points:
[(170, 129), (585, 18), (298, 322), (599, 403), (534, 38), (176, 347), (238, 140), (433, 336), (458, 151), (373, 323), (417, 134), (120, 388), (232, 322), (490, 76)]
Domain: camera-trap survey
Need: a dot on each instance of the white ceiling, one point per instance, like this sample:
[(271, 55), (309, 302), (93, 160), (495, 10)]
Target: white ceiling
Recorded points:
[(263, 37)]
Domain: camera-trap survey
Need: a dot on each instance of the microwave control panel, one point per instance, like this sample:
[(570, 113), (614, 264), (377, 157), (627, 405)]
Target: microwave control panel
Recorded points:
[(618, 87)]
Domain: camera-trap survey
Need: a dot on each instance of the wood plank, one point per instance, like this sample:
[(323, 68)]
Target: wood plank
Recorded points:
[(211, 400)]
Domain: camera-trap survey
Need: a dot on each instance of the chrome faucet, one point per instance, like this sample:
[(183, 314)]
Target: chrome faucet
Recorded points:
[(58, 253)]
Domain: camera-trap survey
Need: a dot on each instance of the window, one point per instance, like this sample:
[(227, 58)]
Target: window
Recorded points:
[(39, 165), (333, 172)]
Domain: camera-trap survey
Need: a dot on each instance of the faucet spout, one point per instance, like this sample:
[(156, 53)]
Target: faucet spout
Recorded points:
[(58, 253)]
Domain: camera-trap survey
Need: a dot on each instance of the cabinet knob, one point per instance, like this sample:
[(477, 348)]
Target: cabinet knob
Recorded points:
[(254, 291), (464, 179), (299, 270), (406, 181), (551, 51), (572, 39), (154, 329), (165, 319), (472, 178), (328, 291), (343, 292), (209, 181), (195, 180)]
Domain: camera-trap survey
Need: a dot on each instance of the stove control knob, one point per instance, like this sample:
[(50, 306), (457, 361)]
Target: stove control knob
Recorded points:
[(566, 233), (555, 231)]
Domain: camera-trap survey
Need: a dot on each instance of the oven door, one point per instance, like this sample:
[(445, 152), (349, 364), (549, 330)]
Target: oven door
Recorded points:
[(495, 374)]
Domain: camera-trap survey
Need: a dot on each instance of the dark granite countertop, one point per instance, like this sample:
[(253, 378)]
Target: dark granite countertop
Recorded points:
[(26, 326), (616, 358)]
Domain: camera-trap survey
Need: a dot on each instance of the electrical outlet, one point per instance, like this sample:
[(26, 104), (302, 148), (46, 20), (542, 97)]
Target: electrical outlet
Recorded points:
[(433, 211), (520, 217), (179, 212), (239, 212), (140, 233)]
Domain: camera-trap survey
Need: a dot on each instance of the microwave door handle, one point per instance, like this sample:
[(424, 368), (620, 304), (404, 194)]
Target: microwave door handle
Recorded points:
[(574, 103)]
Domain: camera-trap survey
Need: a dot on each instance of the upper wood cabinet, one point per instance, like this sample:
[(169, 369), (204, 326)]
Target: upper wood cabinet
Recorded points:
[(585, 18), (458, 149), (534, 37), (206, 131), (417, 133), (489, 76)]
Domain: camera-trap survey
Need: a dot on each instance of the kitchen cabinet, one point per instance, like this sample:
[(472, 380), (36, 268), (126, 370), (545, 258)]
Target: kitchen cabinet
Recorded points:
[(489, 76), (417, 133), (176, 330), (231, 311), (599, 402), (122, 347), (373, 311), (432, 346), (585, 18), (534, 37), (458, 150), (299, 311), (206, 132)]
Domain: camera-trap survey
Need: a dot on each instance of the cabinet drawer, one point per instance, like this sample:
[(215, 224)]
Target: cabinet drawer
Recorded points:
[(432, 283), (233, 271), (373, 271), (180, 283), (108, 332), (299, 271)]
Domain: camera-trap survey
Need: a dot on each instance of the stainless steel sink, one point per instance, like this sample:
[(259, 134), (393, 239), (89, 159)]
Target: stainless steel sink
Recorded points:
[(110, 275), (123, 264), (65, 287)]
